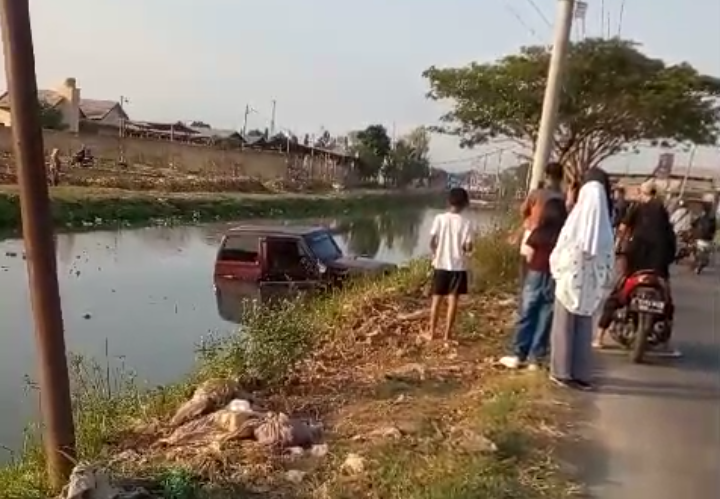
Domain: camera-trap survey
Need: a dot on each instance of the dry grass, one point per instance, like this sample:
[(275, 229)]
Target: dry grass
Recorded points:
[(426, 421)]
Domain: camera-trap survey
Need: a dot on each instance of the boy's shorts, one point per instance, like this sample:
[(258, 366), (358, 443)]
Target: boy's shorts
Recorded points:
[(449, 282)]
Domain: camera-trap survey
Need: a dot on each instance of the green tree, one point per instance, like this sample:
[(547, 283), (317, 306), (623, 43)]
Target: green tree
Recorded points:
[(372, 147), (404, 164), (51, 117), (614, 98), (408, 160)]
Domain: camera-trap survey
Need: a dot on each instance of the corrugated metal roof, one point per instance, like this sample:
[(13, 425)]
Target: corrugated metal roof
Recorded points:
[(95, 109), (49, 97), (215, 133)]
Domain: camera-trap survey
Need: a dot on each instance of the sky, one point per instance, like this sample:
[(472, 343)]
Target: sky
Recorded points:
[(338, 65)]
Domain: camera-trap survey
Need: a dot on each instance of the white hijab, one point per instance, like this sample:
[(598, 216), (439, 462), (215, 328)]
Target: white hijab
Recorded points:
[(583, 260)]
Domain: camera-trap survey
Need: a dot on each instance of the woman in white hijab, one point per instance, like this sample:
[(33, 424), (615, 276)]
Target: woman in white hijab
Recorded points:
[(582, 264)]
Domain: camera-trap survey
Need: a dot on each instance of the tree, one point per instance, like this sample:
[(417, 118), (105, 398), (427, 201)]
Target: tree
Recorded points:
[(405, 164), (419, 140), (408, 160), (372, 147), (614, 98), (200, 124), (51, 117)]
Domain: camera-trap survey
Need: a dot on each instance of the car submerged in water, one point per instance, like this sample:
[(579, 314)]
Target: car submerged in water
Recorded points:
[(285, 259)]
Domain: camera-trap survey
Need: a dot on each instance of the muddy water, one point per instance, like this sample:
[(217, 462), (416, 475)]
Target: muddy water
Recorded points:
[(145, 297)]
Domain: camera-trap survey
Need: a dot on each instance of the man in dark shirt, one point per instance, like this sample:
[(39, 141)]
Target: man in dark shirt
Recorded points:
[(620, 207)]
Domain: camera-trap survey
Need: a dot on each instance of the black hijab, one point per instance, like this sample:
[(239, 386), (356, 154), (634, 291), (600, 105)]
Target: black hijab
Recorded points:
[(597, 174)]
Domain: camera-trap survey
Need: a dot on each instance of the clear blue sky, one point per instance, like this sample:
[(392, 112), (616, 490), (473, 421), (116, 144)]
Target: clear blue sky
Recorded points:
[(337, 64)]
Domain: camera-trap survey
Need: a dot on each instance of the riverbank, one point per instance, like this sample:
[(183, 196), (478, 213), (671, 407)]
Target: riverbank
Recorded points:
[(387, 416), (82, 207)]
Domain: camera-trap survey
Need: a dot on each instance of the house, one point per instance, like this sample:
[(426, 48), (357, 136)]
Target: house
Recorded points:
[(66, 98), (102, 112)]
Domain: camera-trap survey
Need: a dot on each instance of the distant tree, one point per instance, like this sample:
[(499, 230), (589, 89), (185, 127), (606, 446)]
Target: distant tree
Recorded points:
[(51, 118), (614, 98), (408, 159), (419, 141), (372, 147), (199, 124), (255, 133)]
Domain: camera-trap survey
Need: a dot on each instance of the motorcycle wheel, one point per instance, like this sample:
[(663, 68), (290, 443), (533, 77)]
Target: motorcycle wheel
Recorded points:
[(639, 346)]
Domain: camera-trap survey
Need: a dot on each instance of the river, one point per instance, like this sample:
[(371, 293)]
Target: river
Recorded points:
[(144, 297)]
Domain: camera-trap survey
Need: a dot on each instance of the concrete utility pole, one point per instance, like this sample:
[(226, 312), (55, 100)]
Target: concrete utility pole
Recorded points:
[(245, 120), (59, 434), (561, 41), (272, 119)]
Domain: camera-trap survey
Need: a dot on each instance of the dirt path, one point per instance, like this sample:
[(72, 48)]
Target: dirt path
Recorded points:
[(655, 429)]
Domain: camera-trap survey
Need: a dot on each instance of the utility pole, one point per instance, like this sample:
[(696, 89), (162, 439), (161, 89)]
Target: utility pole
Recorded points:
[(245, 120), (683, 186), (272, 118), (123, 101), (59, 433), (543, 147)]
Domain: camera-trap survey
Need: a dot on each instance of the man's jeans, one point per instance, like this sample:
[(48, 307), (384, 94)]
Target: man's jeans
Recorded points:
[(532, 336)]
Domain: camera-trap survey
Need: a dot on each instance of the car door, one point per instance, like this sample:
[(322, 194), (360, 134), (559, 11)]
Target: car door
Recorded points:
[(286, 263)]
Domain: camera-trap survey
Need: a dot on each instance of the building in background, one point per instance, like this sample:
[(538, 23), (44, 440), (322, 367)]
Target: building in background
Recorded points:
[(74, 110)]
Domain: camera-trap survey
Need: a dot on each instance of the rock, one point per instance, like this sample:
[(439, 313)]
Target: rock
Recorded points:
[(208, 396), (296, 451), (320, 450), (234, 422), (354, 463), (239, 405), (387, 432), (409, 427), (295, 476)]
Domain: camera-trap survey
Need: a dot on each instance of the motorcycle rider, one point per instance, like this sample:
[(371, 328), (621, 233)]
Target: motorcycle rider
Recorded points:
[(681, 218), (651, 246), (704, 229), (620, 206)]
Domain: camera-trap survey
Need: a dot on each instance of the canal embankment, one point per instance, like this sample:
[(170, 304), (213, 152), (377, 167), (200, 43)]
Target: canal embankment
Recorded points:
[(85, 207), (392, 417)]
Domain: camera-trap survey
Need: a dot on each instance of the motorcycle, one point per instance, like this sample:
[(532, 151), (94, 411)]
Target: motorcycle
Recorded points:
[(643, 318), (701, 255), (685, 246)]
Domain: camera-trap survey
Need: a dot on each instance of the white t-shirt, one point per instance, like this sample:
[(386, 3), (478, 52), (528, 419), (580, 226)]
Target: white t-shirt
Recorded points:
[(453, 231)]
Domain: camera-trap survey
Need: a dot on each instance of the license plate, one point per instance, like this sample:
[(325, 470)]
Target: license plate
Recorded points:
[(647, 305)]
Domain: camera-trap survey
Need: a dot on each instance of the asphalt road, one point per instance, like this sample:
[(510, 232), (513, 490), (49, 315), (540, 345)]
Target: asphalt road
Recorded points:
[(653, 431)]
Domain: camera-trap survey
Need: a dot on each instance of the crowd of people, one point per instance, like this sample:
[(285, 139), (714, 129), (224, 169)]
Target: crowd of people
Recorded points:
[(577, 245)]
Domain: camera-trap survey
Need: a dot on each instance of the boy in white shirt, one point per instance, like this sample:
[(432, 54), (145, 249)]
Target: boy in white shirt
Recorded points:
[(451, 241)]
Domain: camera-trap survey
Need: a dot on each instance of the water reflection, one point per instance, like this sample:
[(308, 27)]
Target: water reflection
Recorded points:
[(149, 292), (365, 236)]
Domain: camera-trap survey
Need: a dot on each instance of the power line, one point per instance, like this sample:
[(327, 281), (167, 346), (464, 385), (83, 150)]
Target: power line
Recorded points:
[(539, 12), (620, 18), (519, 19)]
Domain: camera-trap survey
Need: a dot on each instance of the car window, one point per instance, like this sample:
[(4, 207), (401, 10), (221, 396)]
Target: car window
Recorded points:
[(240, 248), (323, 246)]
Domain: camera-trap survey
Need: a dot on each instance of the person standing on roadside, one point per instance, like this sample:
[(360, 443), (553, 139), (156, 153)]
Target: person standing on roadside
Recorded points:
[(532, 207), (54, 167), (451, 241), (582, 264), (532, 335), (620, 206)]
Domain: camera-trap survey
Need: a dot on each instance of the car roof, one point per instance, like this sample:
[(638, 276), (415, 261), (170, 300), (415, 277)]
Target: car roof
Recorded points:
[(278, 230)]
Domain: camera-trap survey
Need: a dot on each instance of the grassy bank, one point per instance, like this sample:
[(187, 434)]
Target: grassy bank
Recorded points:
[(402, 419), (89, 207)]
